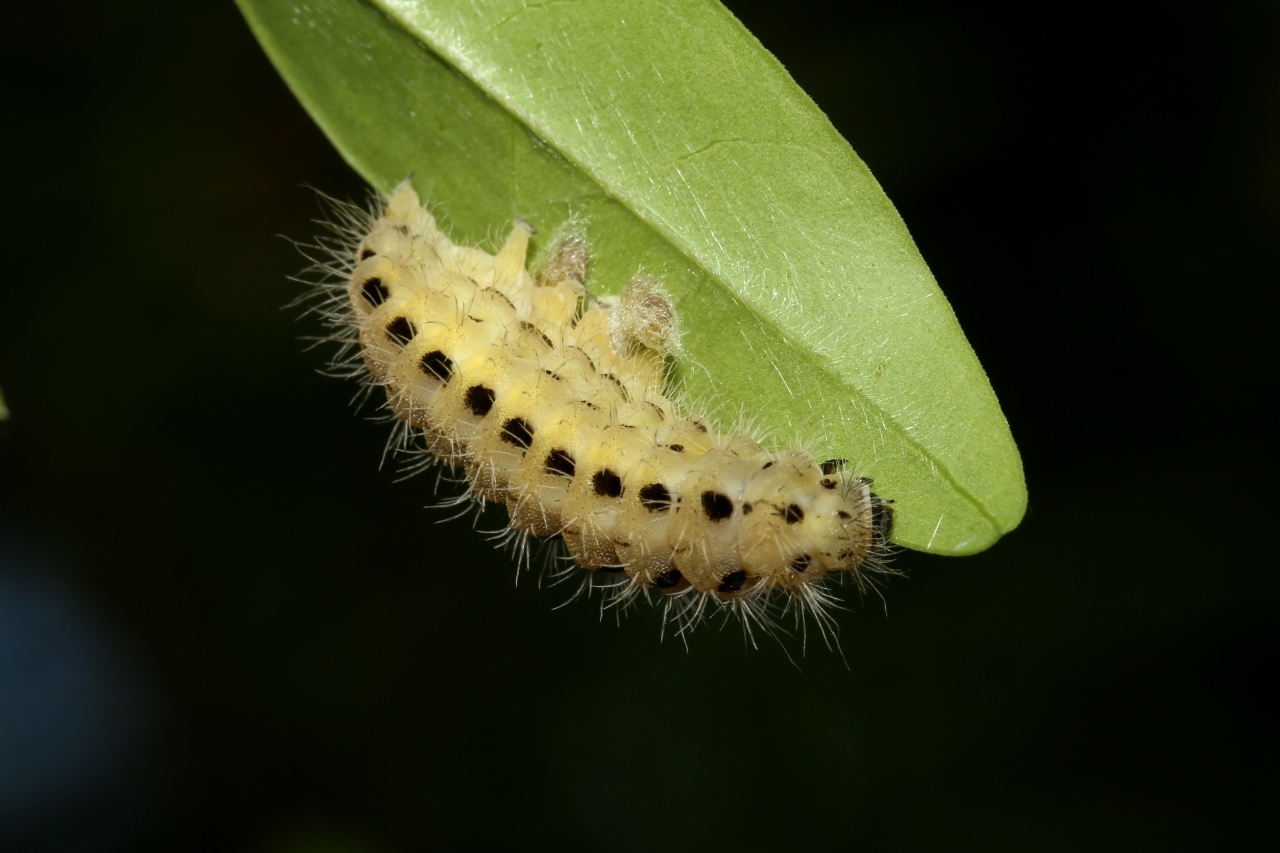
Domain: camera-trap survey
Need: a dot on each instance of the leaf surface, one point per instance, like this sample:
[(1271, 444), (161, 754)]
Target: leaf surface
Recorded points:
[(682, 149)]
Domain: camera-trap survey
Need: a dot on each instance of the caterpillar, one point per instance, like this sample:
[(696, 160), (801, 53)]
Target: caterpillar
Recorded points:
[(559, 406)]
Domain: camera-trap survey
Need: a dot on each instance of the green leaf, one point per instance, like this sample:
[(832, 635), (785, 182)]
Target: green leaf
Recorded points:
[(687, 152)]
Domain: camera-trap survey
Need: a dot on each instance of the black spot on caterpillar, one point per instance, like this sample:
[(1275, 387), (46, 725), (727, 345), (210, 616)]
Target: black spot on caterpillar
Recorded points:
[(655, 497), (557, 406), (401, 330), (560, 462), (518, 432), (717, 506), (479, 400), (437, 364), (373, 291), (607, 484)]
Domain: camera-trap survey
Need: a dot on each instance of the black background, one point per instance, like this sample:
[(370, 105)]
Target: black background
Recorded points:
[(222, 627)]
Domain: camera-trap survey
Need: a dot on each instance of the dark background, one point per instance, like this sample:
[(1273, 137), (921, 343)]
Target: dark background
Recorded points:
[(222, 627)]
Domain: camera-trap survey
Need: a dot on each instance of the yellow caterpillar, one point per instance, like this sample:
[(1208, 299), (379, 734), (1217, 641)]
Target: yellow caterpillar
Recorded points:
[(555, 404)]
